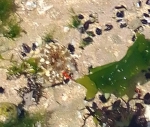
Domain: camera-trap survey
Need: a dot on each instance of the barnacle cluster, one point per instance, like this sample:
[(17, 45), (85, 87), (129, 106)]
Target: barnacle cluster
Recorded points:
[(52, 63), (54, 59)]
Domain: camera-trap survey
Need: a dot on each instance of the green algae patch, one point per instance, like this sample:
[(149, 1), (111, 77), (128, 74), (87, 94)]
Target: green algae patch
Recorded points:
[(117, 77), (29, 120), (8, 112)]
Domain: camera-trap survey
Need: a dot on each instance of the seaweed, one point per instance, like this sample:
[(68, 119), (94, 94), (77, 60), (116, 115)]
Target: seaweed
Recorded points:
[(29, 66), (28, 120), (75, 22), (9, 25), (14, 30), (118, 77), (49, 37), (7, 7)]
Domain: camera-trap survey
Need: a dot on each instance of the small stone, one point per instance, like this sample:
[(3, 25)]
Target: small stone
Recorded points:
[(66, 29), (98, 31), (108, 27), (1, 89), (144, 21), (147, 98), (120, 7), (133, 38), (139, 4), (122, 25), (86, 24), (80, 16), (42, 60), (120, 14), (71, 48), (47, 62), (23, 54), (26, 48), (34, 46), (145, 15), (102, 98)]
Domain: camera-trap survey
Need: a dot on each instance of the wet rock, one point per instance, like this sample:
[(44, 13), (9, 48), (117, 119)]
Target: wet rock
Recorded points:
[(8, 112)]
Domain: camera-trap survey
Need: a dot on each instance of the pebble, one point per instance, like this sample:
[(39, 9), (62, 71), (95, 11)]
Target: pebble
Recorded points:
[(86, 25), (120, 14), (66, 29), (139, 4), (120, 7), (71, 48), (80, 16), (108, 27), (145, 15), (144, 21), (147, 98), (98, 31), (122, 25), (26, 48), (1, 89), (34, 46), (23, 54)]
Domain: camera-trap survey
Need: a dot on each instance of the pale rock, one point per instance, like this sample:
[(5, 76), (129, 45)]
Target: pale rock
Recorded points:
[(30, 5), (66, 29)]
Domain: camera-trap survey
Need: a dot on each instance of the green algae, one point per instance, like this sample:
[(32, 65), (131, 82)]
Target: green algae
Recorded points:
[(29, 120), (117, 77), (8, 112), (9, 21)]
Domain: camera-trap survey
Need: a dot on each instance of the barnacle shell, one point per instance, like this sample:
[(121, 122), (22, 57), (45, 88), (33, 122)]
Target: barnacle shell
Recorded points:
[(54, 59)]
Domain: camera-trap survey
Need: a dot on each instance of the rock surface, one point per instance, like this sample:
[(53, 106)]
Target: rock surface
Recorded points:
[(67, 102)]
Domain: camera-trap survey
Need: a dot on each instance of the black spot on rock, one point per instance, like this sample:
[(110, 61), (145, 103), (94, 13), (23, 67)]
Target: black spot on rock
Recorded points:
[(133, 38), (120, 14), (145, 15), (108, 27), (147, 98), (120, 7), (80, 16), (102, 98), (71, 48), (147, 75), (34, 46), (23, 54), (1, 89), (98, 31), (86, 25), (26, 48), (144, 21), (122, 25)]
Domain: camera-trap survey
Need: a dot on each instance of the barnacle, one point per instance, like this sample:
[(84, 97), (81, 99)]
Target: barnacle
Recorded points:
[(54, 59)]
